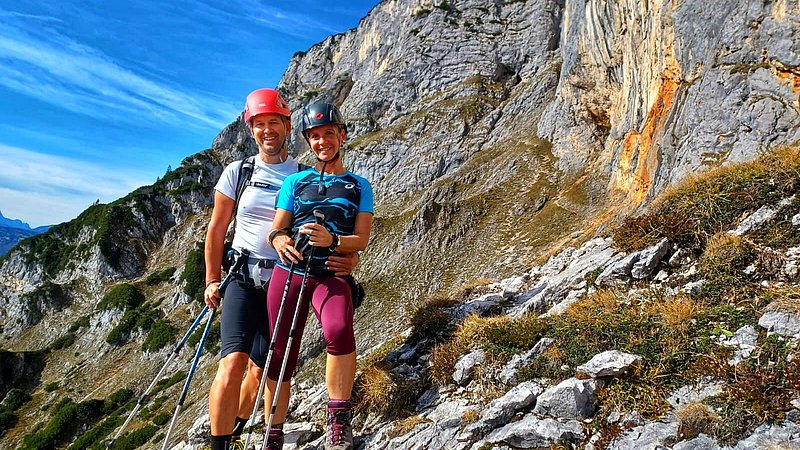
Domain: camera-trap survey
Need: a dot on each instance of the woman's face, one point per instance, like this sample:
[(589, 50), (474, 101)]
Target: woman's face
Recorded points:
[(325, 140)]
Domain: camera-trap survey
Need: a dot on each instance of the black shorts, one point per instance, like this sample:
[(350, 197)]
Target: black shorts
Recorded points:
[(244, 322)]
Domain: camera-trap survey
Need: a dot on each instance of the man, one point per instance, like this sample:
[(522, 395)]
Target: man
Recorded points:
[(244, 331)]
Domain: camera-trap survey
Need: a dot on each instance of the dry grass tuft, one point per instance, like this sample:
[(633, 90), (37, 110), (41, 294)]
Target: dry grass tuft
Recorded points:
[(722, 264), (585, 310), (724, 250), (699, 207), (378, 391), (443, 361), (499, 336), (475, 288), (381, 352), (405, 426), (470, 416), (786, 299), (677, 312), (696, 418), (376, 387), (476, 329)]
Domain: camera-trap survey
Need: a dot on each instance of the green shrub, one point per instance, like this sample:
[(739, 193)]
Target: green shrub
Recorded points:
[(444, 6), (53, 253), (160, 276), (123, 296), (140, 318), (167, 382), (63, 341), (7, 421), (83, 322), (94, 438), (50, 387), (118, 399), (194, 272), (161, 419), (161, 334), (59, 428), (14, 399), (112, 232), (136, 438)]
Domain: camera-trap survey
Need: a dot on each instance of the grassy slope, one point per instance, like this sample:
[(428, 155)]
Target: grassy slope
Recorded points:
[(677, 336)]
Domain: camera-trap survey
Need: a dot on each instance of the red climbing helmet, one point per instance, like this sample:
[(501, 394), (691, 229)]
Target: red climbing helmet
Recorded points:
[(263, 101)]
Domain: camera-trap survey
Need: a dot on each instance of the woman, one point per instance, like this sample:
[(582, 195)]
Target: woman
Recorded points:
[(346, 201)]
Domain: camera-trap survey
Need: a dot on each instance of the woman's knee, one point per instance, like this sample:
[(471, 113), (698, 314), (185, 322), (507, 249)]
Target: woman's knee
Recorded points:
[(340, 339)]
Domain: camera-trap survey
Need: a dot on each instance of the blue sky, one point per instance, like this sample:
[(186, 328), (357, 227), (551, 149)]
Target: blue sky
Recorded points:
[(99, 97)]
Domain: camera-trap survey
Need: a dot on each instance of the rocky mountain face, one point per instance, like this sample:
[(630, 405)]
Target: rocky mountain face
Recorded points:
[(496, 134)]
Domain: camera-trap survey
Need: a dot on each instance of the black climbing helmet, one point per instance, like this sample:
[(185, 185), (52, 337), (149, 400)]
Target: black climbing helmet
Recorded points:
[(318, 114)]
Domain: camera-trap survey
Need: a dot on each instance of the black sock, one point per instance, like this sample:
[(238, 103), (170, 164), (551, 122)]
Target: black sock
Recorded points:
[(221, 442), (238, 426)]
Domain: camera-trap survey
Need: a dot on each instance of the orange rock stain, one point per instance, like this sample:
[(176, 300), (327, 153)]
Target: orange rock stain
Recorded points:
[(639, 145)]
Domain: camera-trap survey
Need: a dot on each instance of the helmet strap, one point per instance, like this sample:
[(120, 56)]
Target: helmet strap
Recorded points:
[(321, 186)]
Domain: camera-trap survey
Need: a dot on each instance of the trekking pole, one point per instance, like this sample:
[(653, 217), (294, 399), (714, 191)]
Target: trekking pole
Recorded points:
[(286, 352), (240, 260), (271, 351), (144, 397), (320, 218), (146, 393), (182, 398)]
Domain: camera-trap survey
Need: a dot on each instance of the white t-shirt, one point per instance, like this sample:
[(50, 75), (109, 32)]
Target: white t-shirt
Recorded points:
[(257, 204)]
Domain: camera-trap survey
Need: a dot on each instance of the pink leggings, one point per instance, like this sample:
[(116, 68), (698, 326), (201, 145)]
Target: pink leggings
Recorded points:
[(333, 306)]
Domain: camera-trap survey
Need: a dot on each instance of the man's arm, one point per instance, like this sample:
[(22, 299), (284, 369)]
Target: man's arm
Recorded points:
[(342, 265), (221, 217)]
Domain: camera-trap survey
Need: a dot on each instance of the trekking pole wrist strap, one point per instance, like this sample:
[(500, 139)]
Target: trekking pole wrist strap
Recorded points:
[(210, 282), (274, 233)]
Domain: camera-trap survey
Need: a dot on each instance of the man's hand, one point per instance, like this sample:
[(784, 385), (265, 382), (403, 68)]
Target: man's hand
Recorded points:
[(342, 265), (211, 295)]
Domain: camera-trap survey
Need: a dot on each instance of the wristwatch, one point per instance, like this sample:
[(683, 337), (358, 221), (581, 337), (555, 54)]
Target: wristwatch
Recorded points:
[(335, 242)]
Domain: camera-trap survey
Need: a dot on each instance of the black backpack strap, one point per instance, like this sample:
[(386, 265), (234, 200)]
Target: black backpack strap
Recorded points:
[(246, 167), (301, 167)]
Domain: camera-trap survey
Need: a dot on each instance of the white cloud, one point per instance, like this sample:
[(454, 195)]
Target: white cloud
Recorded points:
[(45, 189), (286, 21), (70, 75)]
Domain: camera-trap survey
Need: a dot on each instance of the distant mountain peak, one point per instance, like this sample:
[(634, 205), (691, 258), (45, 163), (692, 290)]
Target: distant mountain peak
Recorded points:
[(13, 223)]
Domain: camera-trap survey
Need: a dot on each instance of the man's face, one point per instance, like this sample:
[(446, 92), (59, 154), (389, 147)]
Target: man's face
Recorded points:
[(269, 131)]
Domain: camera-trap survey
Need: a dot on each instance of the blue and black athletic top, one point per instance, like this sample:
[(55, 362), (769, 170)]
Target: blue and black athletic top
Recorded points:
[(345, 196)]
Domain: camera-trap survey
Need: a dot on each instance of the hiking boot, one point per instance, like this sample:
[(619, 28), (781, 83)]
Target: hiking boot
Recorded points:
[(340, 432), (274, 442)]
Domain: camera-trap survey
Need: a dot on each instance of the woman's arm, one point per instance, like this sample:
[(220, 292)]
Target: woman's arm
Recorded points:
[(319, 236)]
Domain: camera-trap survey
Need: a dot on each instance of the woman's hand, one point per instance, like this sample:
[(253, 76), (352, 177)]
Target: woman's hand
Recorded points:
[(318, 235), (284, 245)]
